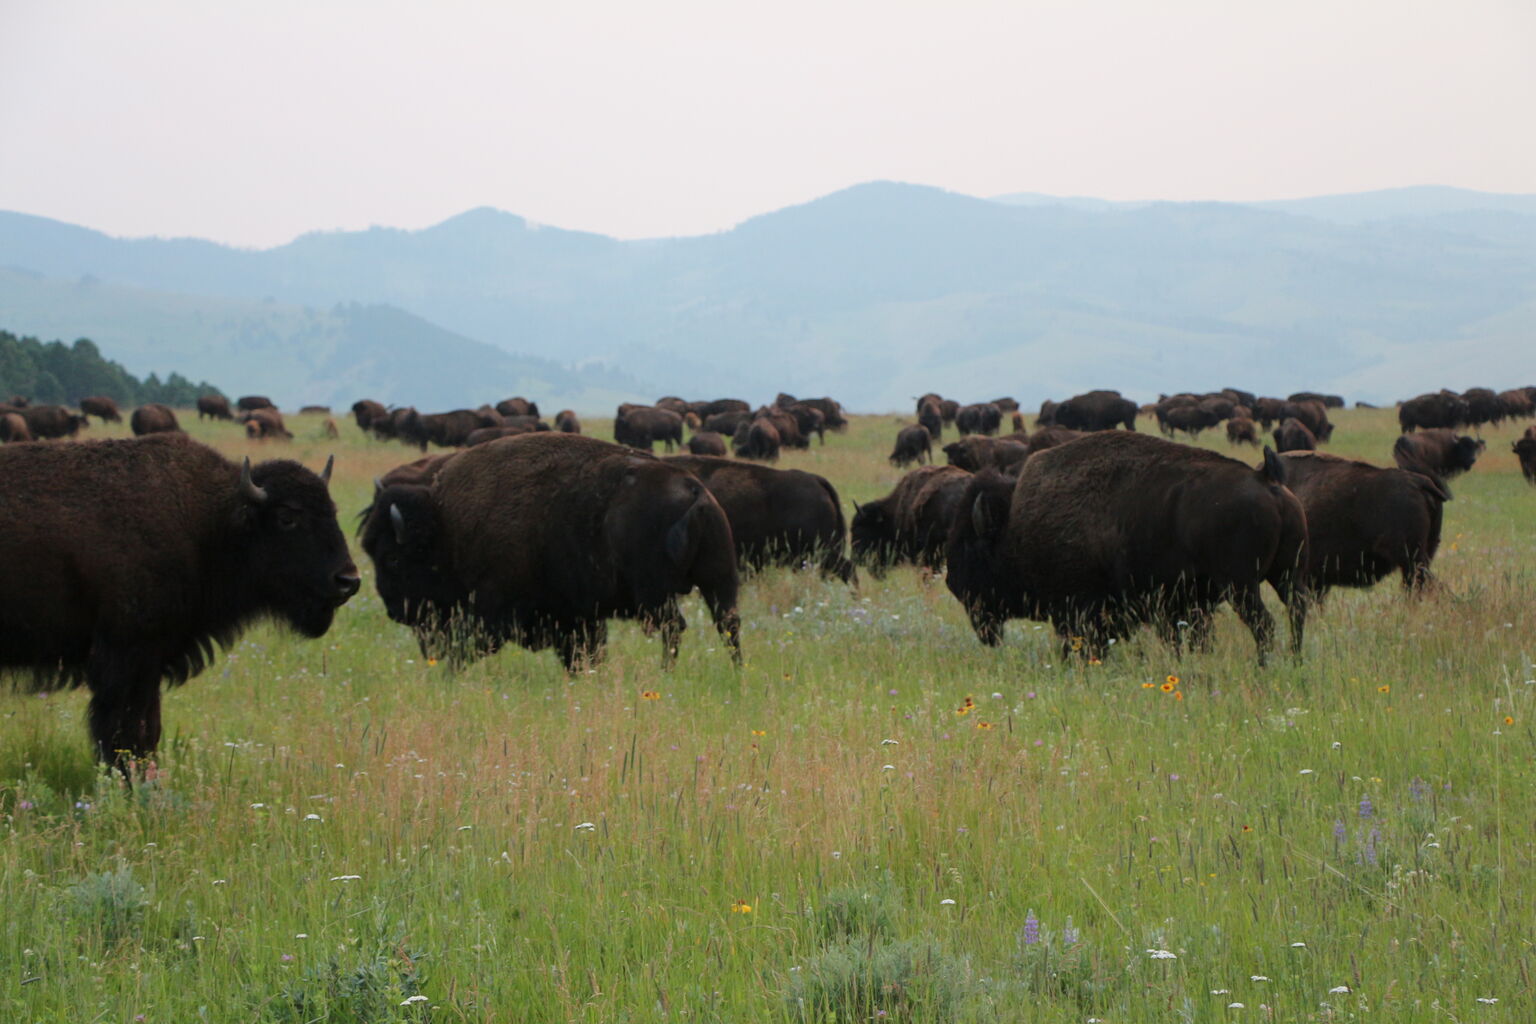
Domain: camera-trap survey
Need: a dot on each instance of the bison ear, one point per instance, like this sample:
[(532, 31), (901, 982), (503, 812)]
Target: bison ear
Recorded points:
[(397, 518), (981, 517), (248, 488), (325, 474), (857, 508), (1274, 469)]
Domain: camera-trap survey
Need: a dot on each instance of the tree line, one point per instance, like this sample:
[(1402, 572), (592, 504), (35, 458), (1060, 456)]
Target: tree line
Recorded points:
[(55, 373)]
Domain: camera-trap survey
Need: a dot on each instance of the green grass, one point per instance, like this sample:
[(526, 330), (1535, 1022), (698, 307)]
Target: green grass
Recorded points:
[(532, 847)]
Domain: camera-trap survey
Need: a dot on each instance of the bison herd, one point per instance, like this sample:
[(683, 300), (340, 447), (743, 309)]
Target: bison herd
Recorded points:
[(529, 533)]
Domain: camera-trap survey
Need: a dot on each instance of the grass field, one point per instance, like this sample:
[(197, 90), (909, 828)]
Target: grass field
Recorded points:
[(877, 818)]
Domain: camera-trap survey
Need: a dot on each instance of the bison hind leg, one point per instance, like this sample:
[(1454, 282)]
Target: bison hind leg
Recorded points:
[(124, 713), (1249, 605)]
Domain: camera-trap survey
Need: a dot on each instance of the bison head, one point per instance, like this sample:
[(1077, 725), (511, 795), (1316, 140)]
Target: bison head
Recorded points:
[(872, 536), (296, 560), (976, 574), (402, 534)]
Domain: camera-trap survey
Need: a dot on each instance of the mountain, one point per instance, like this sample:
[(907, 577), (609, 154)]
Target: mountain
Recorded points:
[(874, 294)]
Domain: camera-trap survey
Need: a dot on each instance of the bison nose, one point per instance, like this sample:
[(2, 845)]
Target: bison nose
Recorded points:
[(347, 582)]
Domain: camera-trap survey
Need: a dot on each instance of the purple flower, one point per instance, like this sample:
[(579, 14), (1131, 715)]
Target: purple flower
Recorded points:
[(26, 805), (1338, 831), (1370, 846), (1416, 789), (287, 957), (1366, 807), (1069, 934), (1031, 929)]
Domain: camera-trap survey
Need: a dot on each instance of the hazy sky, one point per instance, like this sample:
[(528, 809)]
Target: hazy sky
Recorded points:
[(253, 122)]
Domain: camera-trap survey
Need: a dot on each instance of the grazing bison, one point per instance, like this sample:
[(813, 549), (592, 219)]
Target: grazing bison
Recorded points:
[(1313, 414), (1443, 409), (266, 425), (366, 412), (566, 422), (51, 421), (246, 403), (13, 427), (913, 444), (1517, 403), (909, 524), (102, 407), (982, 418), (641, 426), (974, 454), (719, 405), (1117, 529), (758, 440), (808, 420), (831, 412), (1292, 435), (1050, 437), (1326, 401), (1438, 454), (540, 539), (1006, 404), (707, 442), (1189, 418), (315, 410), (1241, 430), (140, 556), (1095, 410), (727, 422), (517, 406), (216, 407), (1483, 406), (1364, 521), (931, 419), (1525, 450), (153, 418), (1268, 411), (444, 429), (778, 516)]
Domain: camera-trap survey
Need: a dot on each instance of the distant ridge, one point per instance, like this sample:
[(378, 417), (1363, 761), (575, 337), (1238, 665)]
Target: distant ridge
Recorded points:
[(874, 293)]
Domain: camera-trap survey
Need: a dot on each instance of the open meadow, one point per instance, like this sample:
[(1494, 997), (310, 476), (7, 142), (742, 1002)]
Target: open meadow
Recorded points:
[(875, 818)]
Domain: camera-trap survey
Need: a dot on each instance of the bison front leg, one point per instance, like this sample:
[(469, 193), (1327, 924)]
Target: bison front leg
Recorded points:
[(124, 713), (1249, 604)]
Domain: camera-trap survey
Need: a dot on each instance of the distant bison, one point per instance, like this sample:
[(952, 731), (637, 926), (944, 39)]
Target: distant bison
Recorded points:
[(13, 427), (484, 435), (1292, 435), (1242, 431), (977, 453), (909, 524), (443, 429), (1525, 450), (366, 412), (981, 418), (540, 539), (931, 419), (154, 418), (727, 422), (1117, 529), (566, 422), (102, 407), (518, 406), (52, 421), (1096, 410), (214, 407), (641, 426), (246, 403), (1364, 521), (140, 556), (266, 425), (913, 444), (1438, 454), (758, 440), (1433, 411), (778, 516), (707, 442)]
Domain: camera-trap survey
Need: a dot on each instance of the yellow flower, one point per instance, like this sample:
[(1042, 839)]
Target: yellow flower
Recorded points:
[(1247, 828), (1179, 695), (983, 725), (1147, 686), (1166, 687), (1172, 680), (1077, 643), (1094, 661), (1384, 688), (741, 907), (431, 662), (1509, 719), (650, 695), (963, 709), (759, 732)]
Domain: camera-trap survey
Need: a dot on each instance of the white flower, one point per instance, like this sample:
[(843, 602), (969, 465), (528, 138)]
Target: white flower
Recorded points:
[(1305, 771), (257, 807), (946, 903), (408, 1000), (465, 828), (302, 935), (889, 743), (586, 826), (1298, 945), (1234, 1006), (346, 878), (221, 881), (312, 817), (887, 767), (1221, 991), (1257, 977), (1490, 1000), (1339, 990), (1161, 954)]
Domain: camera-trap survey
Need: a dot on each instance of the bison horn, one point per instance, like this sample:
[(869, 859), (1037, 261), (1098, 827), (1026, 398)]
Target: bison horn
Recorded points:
[(398, 518), (248, 487), (378, 486), (325, 474)]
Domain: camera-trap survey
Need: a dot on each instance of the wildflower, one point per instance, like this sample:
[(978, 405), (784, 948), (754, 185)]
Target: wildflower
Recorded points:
[(759, 732), (1257, 977), (963, 709), (431, 662), (586, 826), (1221, 991), (1305, 771), (1247, 828), (650, 695), (346, 878), (1147, 686), (1166, 687), (1490, 1000), (1069, 934), (983, 725), (1031, 928), (741, 907), (1094, 661), (1338, 831), (1161, 954), (287, 958), (408, 1000), (1509, 719), (890, 743), (1234, 1006), (1171, 680), (1076, 643), (1179, 695), (1298, 945), (1339, 990), (1366, 807), (1384, 688), (946, 902)]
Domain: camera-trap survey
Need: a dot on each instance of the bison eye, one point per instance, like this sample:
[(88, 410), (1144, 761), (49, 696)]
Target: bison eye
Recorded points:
[(287, 518)]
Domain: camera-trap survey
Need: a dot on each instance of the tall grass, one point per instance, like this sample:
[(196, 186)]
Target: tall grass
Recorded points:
[(874, 816)]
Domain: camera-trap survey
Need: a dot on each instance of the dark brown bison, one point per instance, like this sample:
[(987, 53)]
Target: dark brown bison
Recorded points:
[(831, 412), (808, 420), (215, 407), (1483, 407), (245, 403), (1326, 401), (1241, 430), (641, 426), (719, 405), (266, 425), (982, 418), (1096, 410), (908, 526), (757, 440), (707, 442), (140, 556), (315, 410), (1006, 404), (913, 444), (790, 435), (1292, 435), (727, 422), (974, 454), (1268, 411), (1443, 409), (13, 427), (540, 539), (1517, 404), (566, 422), (674, 404), (1438, 454), (45, 421), (1188, 417), (518, 406), (1050, 437), (1525, 451), (102, 407), (1364, 521), (1313, 414), (1117, 529), (366, 412), (444, 429), (931, 419), (778, 516), (154, 418), (1240, 397)]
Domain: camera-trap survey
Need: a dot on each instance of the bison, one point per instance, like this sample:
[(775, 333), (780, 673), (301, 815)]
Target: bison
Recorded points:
[(727, 422), (216, 407), (931, 419), (52, 421), (266, 425), (1439, 454), (913, 444), (1095, 410), (444, 429), (977, 453), (778, 516), (1241, 430), (982, 418), (517, 406), (141, 556), (13, 427), (758, 440), (153, 418), (566, 422), (102, 407), (1365, 521), (540, 539), (707, 442), (909, 524), (1117, 529), (1525, 451), (247, 403), (1440, 410), (1292, 435), (641, 426), (366, 412)]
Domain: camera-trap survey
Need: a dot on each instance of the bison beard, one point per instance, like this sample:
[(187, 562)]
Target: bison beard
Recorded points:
[(140, 555), (1117, 529), (539, 539)]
